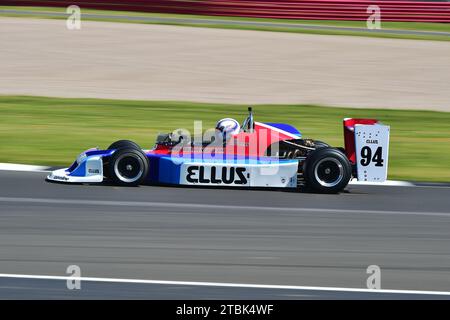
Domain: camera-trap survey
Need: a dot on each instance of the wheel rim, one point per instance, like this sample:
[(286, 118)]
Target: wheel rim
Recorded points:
[(329, 172), (129, 167)]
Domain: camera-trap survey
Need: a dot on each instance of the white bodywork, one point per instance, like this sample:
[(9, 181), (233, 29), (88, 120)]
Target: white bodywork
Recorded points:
[(91, 171), (277, 175)]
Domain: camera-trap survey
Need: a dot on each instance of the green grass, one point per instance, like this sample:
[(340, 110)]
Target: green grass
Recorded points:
[(52, 131), (439, 27)]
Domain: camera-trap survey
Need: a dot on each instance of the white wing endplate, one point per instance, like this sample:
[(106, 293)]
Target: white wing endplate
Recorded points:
[(372, 150)]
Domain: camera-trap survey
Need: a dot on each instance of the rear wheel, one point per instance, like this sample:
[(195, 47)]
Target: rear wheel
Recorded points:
[(320, 144), (128, 166), (327, 170)]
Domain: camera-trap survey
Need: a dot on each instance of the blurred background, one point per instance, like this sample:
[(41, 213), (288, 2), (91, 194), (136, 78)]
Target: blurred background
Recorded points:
[(137, 68)]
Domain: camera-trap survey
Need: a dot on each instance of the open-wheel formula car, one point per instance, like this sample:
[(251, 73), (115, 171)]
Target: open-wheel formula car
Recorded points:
[(253, 154)]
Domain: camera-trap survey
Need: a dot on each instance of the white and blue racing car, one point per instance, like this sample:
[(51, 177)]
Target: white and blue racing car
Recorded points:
[(253, 154)]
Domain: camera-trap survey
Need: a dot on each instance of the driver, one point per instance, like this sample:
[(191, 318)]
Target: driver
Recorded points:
[(225, 128)]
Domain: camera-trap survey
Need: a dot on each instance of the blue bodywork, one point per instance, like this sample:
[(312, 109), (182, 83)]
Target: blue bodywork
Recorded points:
[(286, 127)]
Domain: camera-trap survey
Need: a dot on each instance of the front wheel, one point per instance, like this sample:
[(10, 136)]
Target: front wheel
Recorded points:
[(327, 170), (124, 144), (128, 166)]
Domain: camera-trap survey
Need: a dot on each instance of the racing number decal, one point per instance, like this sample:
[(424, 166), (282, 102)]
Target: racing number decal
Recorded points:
[(378, 157), (366, 156), (372, 151)]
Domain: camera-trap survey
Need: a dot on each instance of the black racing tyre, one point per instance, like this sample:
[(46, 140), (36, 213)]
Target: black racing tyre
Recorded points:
[(320, 144), (124, 144), (327, 170), (128, 166)]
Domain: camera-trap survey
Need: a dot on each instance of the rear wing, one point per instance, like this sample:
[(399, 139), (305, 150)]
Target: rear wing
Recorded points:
[(367, 147)]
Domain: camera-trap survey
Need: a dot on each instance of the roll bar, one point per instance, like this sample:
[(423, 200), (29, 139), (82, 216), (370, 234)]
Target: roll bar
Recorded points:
[(249, 123)]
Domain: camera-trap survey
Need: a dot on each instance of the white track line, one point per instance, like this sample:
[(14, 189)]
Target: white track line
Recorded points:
[(387, 183), (22, 167), (209, 206), (221, 284)]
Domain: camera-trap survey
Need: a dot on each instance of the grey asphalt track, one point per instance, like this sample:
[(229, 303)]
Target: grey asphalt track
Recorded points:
[(57, 289), (221, 235), (226, 22)]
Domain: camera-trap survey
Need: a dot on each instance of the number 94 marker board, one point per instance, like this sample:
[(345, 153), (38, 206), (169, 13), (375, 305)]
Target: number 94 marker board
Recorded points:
[(372, 146)]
